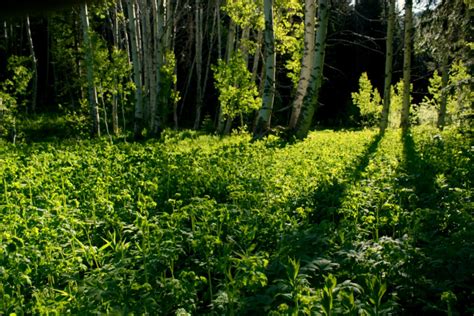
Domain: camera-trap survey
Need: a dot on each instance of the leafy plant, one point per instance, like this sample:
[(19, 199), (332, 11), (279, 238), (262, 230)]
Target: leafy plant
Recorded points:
[(14, 94), (368, 101), (238, 94), (340, 223)]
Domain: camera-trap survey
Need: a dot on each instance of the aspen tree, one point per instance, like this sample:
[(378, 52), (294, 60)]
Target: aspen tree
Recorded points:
[(198, 54), (256, 57), (405, 116), (311, 99), (306, 62), (223, 125), (264, 115), (137, 68), (388, 66), (92, 92), (444, 93), (35, 65), (114, 21)]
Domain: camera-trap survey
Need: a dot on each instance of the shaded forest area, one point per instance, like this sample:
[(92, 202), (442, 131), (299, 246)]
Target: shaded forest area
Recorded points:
[(142, 66)]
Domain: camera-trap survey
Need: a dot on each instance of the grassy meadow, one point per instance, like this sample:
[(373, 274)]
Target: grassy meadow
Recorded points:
[(342, 223)]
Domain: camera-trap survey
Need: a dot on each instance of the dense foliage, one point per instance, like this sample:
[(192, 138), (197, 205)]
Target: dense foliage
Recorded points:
[(341, 223)]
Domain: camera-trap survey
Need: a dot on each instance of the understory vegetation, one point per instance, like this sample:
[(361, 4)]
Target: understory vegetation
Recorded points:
[(343, 222)]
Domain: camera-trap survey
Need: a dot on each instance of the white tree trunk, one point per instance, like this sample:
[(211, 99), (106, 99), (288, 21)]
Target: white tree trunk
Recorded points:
[(35, 65), (92, 92), (388, 67), (306, 62), (405, 116), (137, 68), (264, 115), (444, 93), (311, 99)]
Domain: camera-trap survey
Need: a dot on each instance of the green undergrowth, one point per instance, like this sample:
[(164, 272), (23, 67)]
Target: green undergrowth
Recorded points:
[(341, 223)]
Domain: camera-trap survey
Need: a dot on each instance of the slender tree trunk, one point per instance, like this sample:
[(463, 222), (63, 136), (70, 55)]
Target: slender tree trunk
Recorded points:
[(223, 125), (35, 66), (198, 48), (175, 100), (405, 116), (126, 43), (229, 51), (311, 99), (115, 96), (244, 44), (159, 18), (137, 69), (263, 121), (5, 32), (388, 67), (149, 61), (167, 42), (256, 58), (144, 41), (92, 92), (219, 33), (307, 61), (211, 47), (444, 93)]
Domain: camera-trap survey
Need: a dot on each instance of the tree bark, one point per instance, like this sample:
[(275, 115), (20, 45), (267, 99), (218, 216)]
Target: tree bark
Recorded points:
[(405, 116), (223, 125), (159, 20), (219, 33), (212, 36), (198, 52), (256, 57), (92, 92), (145, 53), (311, 99), (244, 44), (263, 121), (35, 65), (137, 69), (306, 62), (444, 93), (388, 67), (115, 97)]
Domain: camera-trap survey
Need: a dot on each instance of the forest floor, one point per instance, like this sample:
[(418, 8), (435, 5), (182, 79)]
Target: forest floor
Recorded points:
[(344, 222)]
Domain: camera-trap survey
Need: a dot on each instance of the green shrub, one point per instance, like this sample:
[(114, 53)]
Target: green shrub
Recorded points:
[(238, 94), (368, 101)]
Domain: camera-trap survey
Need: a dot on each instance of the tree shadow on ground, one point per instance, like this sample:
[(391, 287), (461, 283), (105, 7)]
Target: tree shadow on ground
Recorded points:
[(432, 215), (329, 197), (419, 176), (326, 202), (310, 242)]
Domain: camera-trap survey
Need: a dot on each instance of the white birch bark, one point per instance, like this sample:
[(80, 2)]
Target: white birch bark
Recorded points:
[(311, 99), (35, 65), (388, 67), (306, 62), (198, 52), (91, 88), (137, 68), (264, 115), (405, 115)]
